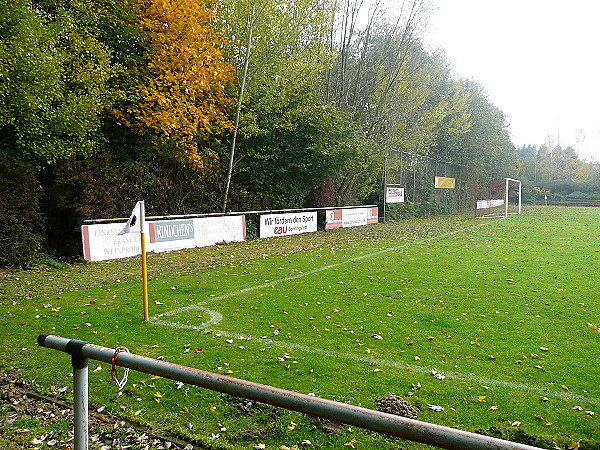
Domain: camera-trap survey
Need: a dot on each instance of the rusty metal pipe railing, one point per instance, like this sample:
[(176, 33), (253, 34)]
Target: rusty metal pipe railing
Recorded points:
[(389, 424)]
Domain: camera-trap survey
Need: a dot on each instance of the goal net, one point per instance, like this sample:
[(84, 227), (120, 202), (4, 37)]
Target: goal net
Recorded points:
[(499, 199)]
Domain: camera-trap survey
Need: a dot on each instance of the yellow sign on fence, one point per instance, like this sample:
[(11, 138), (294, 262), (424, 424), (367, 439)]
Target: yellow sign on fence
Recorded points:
[(445, 183)]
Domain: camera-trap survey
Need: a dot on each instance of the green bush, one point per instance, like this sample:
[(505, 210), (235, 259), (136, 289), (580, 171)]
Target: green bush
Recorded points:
[(577, 196), (21, 223)]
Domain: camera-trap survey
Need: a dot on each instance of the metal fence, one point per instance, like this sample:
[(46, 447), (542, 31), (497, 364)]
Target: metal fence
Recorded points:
[(417, 174), (389, 424)]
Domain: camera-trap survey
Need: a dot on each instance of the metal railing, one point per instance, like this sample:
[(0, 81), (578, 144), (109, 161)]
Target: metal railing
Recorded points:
[(381, 422)]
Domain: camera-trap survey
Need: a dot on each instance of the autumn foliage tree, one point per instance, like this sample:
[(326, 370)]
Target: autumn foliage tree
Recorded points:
[(178, 92)]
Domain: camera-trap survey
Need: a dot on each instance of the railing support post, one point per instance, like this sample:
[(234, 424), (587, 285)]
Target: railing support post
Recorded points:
[(80, 393), (80, 405)]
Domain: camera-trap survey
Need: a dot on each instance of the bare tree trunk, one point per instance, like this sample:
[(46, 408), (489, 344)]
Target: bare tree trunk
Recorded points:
[(238, 110)]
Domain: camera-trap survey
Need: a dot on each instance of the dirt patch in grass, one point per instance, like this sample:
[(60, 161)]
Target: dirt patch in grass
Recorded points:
[(393, 404)]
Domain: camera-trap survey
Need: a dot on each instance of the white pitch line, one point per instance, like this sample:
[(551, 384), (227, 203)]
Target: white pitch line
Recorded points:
[(563, 395), (349, 356)]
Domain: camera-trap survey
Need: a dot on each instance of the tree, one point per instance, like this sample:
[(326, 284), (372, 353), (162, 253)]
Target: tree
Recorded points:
[(283, 165), (486, 145), (53, 81), (178, 81), (281, 51), (405, 99)]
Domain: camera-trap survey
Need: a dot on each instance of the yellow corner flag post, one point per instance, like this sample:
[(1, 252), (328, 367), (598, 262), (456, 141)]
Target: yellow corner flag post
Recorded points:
[(144, 266)]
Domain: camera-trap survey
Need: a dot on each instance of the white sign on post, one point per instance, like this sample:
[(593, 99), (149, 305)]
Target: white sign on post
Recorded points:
[(394, 194)]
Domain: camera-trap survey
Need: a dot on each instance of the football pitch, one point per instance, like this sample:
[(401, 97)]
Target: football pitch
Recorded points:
[(488, 324)]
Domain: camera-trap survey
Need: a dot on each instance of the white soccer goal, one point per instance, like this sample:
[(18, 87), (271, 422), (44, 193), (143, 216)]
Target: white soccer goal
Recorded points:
[(499, 199)]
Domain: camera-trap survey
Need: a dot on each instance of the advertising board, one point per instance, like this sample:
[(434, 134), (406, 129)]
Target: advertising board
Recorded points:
[(272, 225), (351, 217), (394, 194), (102, 242), (445, 183)]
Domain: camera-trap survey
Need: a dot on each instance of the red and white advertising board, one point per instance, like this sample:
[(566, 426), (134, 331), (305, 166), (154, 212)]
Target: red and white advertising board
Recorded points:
[(351, 217), (102, 242), (394, 194)]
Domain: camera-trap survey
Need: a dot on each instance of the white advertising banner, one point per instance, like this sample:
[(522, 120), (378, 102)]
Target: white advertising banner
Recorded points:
[(394, 194), (212, 230), (289, 223), (102, 242), (485, 204), (354, 217)]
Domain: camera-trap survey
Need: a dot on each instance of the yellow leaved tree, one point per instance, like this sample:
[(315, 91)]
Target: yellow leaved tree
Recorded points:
[(180, 73)]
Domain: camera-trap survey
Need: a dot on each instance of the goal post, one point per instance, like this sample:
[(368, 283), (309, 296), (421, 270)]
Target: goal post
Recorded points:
[(499, 199)]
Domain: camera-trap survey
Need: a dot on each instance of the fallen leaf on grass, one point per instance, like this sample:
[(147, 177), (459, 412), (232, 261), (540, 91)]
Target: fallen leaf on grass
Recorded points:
[(437, 375), (351, 443), (538, 417)]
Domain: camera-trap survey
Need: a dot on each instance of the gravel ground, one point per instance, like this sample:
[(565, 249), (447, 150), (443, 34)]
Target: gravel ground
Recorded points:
[(33, 421)]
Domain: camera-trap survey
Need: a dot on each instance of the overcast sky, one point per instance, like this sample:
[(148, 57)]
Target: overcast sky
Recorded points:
[(538, 60)]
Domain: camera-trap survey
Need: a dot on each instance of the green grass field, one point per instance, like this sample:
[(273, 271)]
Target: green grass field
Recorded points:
[(495, 320)]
